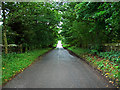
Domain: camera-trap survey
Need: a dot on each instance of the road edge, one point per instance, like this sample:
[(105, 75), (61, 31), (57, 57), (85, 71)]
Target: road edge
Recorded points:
[(88, 63), (38, 58)]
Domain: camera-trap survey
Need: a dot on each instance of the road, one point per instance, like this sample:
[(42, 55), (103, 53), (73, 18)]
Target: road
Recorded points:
[(58, 69)]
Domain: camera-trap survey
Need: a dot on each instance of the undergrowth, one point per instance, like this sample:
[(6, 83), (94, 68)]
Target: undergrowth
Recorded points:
[(106, 62), (13, 63)]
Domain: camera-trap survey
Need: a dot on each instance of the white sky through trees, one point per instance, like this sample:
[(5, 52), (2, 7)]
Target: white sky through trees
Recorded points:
[(0, 21)]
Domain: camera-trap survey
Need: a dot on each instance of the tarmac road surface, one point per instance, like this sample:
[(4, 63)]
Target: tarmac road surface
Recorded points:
[(58, 69)]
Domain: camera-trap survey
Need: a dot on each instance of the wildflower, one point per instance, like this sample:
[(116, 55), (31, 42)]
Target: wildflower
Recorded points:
[(3, 68)]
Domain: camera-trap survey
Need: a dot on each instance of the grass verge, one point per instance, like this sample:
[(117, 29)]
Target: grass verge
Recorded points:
[(109, 69), (13, 64)]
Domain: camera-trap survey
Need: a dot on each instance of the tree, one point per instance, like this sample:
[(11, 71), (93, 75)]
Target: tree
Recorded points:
[(32, 25), (91, 24), (4, 28)]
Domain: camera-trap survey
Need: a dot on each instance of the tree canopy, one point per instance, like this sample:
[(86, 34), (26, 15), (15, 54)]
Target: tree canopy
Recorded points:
[(91, 24), (82, 24), (31, 24)]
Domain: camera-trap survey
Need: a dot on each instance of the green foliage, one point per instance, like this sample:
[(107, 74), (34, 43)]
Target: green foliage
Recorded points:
[(108, 68), (32, 24), (91, 24), (14, 63), (79, 51), (112, 56), (94, 52), (104, 62)]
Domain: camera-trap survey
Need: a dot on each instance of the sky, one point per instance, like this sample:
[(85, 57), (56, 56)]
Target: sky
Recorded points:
[(59, 45), (0, 21)]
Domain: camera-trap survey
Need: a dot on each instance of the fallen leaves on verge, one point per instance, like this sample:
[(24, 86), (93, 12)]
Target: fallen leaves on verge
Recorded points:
[(6, 80), (106, 85), (111, 82)]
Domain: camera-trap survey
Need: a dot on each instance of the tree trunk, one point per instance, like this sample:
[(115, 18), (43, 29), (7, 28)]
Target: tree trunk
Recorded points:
[(21, 50), (4, 30)]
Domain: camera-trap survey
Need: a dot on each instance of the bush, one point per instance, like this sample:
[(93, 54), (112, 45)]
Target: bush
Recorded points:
[(113, 56)]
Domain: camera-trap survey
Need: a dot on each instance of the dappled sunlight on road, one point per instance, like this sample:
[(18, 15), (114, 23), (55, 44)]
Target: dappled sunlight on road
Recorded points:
[(59, 45)]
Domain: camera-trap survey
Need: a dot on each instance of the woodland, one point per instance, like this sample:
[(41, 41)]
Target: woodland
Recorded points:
[(89, 29)]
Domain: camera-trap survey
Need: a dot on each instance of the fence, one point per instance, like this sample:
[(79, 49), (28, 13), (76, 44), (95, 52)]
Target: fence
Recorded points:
[(20, 48), (112, 46), (12, 48)]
